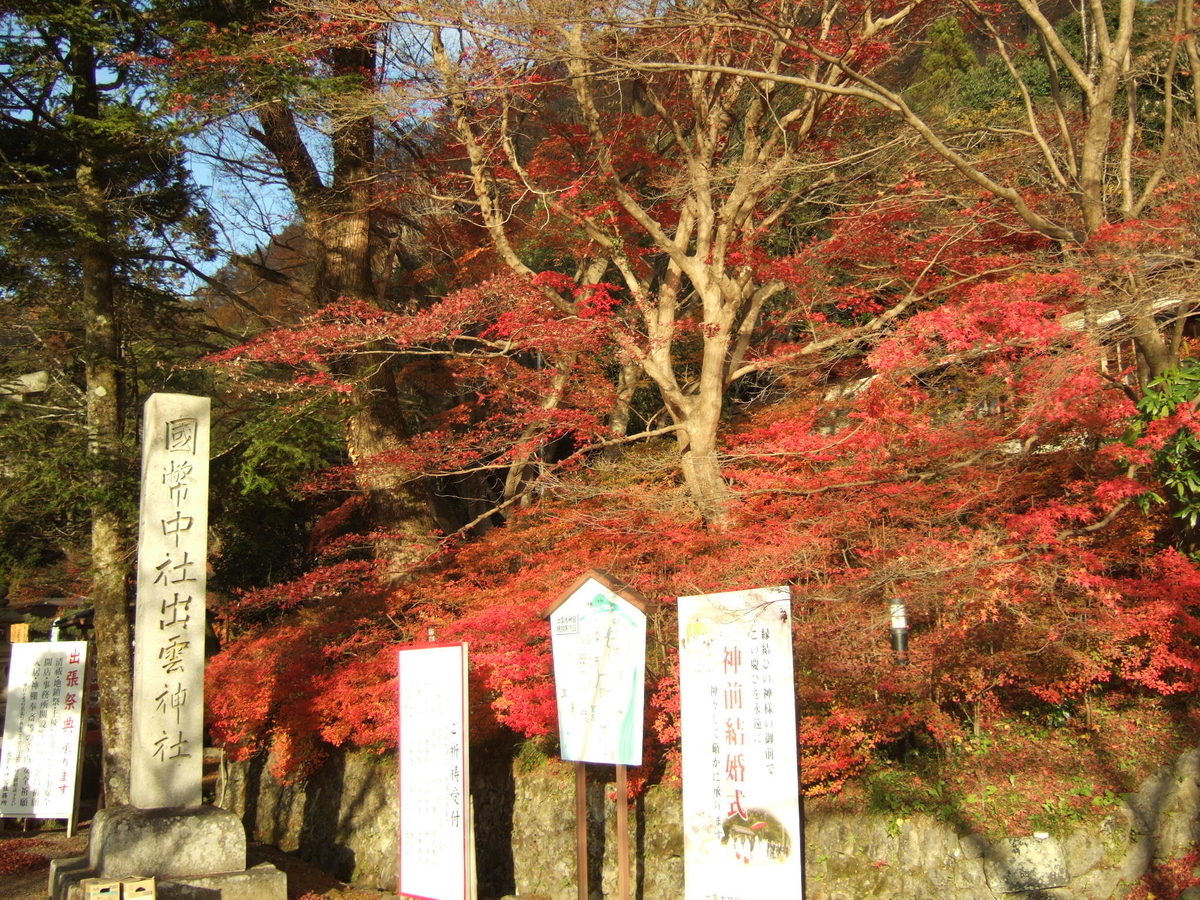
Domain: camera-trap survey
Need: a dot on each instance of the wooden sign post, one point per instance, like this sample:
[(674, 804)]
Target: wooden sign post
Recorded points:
[(598, 633)]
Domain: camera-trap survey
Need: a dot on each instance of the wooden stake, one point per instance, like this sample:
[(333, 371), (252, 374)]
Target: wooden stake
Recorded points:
[(622, 834), (472, 872), (581, 854), (89, 670)]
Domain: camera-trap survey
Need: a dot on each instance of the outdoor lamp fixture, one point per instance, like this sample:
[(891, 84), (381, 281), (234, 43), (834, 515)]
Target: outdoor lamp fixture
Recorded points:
[(900, 632)]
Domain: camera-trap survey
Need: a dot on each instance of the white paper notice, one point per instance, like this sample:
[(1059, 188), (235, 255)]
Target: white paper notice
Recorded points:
[(599, 644), (434, 797), (47, 701), (741, 797)]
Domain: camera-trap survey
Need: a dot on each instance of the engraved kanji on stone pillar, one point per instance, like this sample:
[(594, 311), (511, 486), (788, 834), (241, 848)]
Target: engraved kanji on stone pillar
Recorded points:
[(168, 670)]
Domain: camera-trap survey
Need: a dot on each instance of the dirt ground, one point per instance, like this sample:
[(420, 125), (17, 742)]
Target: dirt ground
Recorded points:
[(25, 865), (25, 858)]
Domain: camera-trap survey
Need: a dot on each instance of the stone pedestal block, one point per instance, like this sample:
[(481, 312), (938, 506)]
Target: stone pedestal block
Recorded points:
[(165, 843), (262, 882), (1014, 865), (198, 853)]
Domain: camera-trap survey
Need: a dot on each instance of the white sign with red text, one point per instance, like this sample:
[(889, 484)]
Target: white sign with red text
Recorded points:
[(47, 702), (435, 805), (741, 786)]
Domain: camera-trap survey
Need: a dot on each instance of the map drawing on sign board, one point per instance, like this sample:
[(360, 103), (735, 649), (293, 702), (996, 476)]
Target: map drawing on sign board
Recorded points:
[(598, 632)]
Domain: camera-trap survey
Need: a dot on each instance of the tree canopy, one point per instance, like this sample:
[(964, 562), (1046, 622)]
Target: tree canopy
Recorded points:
[(877, 301)]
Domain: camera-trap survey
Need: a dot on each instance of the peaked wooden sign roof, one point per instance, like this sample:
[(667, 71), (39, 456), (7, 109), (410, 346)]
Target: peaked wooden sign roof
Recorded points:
[(618, 587)]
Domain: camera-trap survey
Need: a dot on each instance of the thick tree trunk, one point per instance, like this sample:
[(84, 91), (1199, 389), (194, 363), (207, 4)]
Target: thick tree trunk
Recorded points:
[(702, 471), (110, 596), (1156, 355), (109, 550), (696, 415), (702, 423), (628, 381), (698, 459), (102, 362), (398, 508), (337, 223), (113, 648), (524, 470)]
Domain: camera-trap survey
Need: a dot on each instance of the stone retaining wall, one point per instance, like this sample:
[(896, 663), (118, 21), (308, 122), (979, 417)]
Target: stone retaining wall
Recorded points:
[(344, 820)]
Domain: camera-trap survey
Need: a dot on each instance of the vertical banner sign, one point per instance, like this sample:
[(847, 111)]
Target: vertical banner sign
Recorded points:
[(168, 667), (741, 797), (47, 712), (598, 637), (435, 819)]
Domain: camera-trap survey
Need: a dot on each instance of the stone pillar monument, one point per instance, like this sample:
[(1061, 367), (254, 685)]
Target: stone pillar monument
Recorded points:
[(194, 851), (168, 666)]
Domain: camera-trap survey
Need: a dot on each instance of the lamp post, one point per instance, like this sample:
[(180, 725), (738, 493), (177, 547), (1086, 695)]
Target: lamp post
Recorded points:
[(900, 632)]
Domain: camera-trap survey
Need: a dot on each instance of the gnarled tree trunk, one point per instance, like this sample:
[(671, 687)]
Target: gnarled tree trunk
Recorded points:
[(337, 222)]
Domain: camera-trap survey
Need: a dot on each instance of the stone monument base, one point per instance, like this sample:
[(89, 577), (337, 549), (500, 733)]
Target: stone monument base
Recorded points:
[(193, 853), (262, 882)]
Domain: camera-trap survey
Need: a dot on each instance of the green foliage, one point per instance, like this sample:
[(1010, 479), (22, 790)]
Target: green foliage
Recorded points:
[(1031, 778), (134, 147), (261, 521), (88, 159), (899, 792), (282, 443), (1166, 424), (990, 87), (49, 486), (39, 625), (949, 69), (41, 507), (51, 479), (532, 754), (944, 64)]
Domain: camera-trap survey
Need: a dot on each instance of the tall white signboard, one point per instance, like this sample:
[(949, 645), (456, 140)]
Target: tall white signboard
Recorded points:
[(168, 667), (46, 714), (598, 636), (435, 820), (741, 791)]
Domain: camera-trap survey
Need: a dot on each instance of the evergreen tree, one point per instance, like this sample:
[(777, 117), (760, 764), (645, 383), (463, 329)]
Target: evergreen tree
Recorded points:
[(94, 189)]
